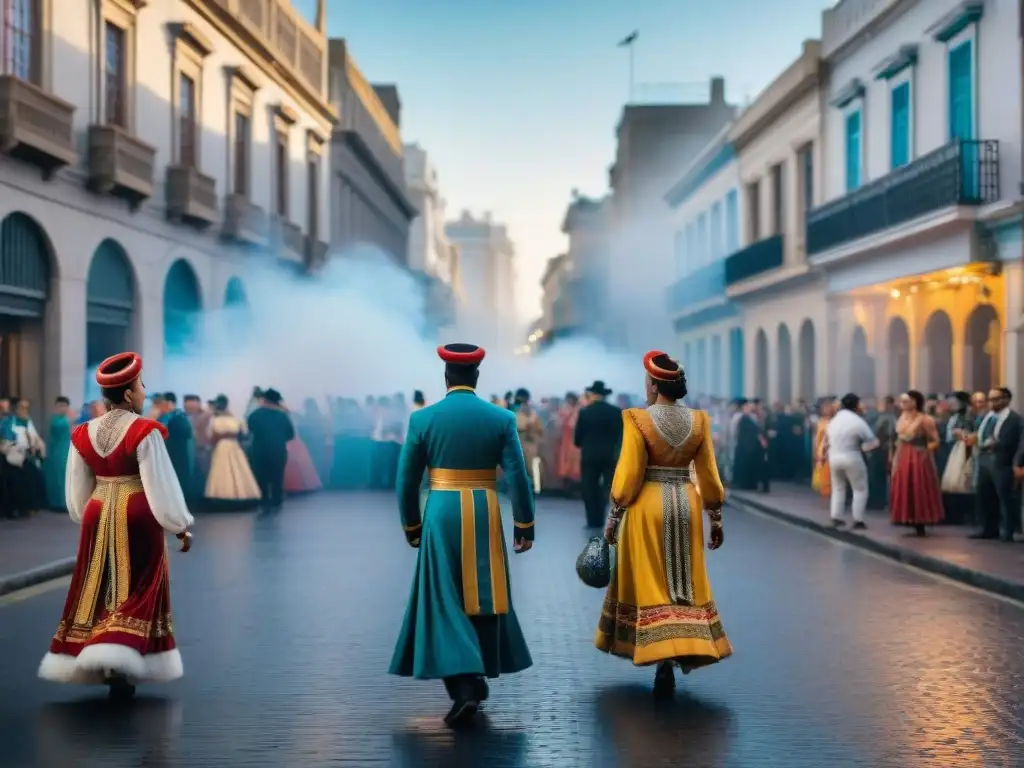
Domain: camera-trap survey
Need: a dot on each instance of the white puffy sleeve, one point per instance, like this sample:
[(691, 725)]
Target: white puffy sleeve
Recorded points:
[(79, 483), (163, 491)]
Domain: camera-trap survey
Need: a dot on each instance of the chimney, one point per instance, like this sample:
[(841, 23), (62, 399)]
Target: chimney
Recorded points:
[(717, 91)]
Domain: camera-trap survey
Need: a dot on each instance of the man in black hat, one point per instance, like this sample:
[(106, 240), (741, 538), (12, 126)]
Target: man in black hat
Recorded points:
[(598, 436), (271, 431)]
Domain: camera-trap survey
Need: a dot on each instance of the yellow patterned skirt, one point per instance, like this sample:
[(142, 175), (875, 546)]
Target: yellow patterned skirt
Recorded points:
[(639, 620)]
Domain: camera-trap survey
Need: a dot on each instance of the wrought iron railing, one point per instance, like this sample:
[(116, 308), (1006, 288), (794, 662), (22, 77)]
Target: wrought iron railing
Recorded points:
[(963, 172), (755, 259)]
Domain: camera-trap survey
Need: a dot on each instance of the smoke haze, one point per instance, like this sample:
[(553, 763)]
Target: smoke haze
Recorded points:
[(356, 330)]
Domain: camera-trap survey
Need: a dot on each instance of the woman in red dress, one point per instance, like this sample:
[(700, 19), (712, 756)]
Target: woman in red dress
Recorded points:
[(121, 487), (300, 475), (914, 495), (568, 453)]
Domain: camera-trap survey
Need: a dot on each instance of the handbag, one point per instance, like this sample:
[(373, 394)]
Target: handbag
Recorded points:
[(958, 476), (594, 565)]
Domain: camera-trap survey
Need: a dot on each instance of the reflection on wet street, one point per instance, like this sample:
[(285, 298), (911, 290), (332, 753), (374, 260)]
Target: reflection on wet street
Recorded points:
[(287, 624)]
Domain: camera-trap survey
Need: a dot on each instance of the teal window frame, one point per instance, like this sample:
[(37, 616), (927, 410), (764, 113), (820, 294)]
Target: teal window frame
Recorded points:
[(732, 221), (901, 121), (962, 121), (854, 165)]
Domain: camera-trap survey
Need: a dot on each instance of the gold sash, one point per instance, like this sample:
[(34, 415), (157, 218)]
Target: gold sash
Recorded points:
[(109, 549)]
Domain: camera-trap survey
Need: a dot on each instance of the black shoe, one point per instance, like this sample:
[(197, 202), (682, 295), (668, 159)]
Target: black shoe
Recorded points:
[(983, 535), (860, 526), (664, 681), (838, 523), (120, 689), (462, 712), (481, 690)]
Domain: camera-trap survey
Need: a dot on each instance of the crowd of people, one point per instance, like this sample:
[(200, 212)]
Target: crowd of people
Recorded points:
[(956, 458)]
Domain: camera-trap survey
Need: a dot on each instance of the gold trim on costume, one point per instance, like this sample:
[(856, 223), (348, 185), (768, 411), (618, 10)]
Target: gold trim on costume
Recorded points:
[(110, 550), (463, 479), (499, 585), (411, 528), (461, 388), (517, 524), (470, 583)]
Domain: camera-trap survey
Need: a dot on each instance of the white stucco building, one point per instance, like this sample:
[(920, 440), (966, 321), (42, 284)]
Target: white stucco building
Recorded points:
[(777, 142), (919, 234), (705, 220), (429, 247), (148, 148), (487, 275)]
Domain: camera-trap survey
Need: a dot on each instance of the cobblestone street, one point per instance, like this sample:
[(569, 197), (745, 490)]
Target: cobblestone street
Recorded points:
[(287, 623)]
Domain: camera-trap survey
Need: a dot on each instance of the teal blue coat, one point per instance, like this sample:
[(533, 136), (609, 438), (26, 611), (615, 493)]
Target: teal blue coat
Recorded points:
[(460, 618)]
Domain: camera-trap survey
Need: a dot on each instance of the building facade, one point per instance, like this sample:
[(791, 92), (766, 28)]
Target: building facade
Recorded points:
[(487, 275), (783, 302), (369, 204), (147, 150), (587, 268), (654, 142), (431, 253), (919, 234), (705, 219)]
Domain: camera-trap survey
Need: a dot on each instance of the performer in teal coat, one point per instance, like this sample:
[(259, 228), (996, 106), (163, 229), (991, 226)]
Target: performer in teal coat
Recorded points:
[(460, 625), (55, 465)]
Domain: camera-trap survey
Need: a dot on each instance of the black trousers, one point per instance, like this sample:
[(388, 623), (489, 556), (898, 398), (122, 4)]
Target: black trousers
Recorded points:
[(998, 502), (596, 474), (269, 472)]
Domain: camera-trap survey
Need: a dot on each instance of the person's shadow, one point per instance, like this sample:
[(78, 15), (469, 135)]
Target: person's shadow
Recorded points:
[(640, 732), (90, 730), (432, 744)]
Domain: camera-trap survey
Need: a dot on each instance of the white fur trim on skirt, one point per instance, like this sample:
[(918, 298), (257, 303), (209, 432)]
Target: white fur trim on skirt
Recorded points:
[(98, 662)]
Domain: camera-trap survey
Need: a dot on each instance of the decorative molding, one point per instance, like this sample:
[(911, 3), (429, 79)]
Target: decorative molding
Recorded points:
[(241, 76), (905, 57), (286, 113), (188, 34), (956, 21), (129, 6), (314, 142), (854, 89)]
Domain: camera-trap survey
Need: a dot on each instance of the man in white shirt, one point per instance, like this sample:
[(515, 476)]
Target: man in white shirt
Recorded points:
[(847, 436)]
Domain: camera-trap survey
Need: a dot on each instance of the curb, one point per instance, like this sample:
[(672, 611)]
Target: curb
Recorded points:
[(17, 581), (1013, 590)]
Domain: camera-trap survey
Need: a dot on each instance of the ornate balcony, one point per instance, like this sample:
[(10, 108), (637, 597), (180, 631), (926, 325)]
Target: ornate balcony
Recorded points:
[(244, 222), (191, 196), (36, 126), (698, 287), (120, 164), (959, 173), (756, 259)]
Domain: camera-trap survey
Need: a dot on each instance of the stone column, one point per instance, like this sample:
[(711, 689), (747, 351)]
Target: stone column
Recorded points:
[(64, 354)]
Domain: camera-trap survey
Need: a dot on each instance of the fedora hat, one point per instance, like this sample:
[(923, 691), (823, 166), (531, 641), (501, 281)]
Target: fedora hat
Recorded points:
[(598, 388)]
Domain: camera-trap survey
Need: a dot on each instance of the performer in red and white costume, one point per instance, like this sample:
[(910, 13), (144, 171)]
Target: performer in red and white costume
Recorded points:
[(121, 487)]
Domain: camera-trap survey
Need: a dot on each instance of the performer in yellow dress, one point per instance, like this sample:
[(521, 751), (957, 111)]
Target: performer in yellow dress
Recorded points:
[(659, 608), (821, 476)]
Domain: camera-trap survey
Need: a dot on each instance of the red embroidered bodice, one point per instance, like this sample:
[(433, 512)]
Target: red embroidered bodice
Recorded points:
[(122, 460)]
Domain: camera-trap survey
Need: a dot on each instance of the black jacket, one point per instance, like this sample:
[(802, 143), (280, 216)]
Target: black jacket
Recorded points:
[(599, 432)]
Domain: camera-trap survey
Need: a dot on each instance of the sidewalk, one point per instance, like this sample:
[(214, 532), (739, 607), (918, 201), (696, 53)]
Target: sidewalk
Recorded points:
[(994, 566), (36, 549)]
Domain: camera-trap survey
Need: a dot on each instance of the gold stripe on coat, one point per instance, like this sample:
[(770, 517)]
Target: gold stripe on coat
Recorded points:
[(463, 479)]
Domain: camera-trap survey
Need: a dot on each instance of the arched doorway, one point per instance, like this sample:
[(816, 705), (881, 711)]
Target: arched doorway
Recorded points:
[(182, 309), (807, 374), (938, 352), (110, 297), (25, 271), (862, 365), (898, 344), (982, 352), (761, 365), (785, 364), (736, 362)]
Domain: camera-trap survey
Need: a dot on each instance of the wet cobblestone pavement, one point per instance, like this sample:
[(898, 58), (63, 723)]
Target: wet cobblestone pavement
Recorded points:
[(286, 625)]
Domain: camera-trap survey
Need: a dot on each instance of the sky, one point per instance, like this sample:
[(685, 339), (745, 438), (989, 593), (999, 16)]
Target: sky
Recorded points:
[(516, 101)]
